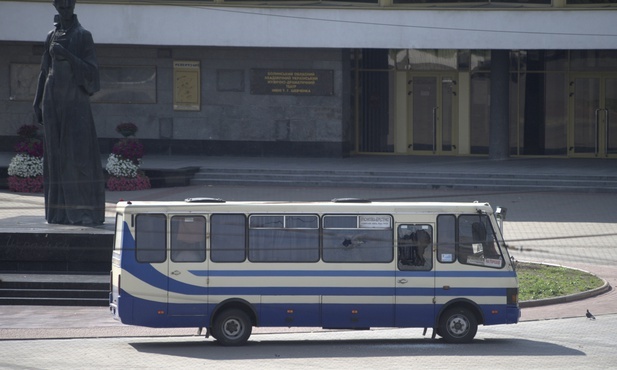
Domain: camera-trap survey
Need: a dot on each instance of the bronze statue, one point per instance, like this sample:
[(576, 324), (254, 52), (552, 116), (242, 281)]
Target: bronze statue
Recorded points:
[(74, 180)]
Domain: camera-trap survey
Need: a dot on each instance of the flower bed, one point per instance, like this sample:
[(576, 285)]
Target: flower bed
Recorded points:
[(26, 184), (26, 167), (124, 161)]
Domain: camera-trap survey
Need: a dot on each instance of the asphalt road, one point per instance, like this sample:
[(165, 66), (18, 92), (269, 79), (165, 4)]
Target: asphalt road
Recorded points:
[(576, 343)]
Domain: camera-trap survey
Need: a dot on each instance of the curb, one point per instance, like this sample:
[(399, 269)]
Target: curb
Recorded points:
[(606, 287)]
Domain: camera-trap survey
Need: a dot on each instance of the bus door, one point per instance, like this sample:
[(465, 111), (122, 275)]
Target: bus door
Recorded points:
[(415, 276), (187, 268)]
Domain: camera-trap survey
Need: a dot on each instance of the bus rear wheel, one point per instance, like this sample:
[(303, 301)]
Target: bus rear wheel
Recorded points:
[(458, 325), (232, 328)]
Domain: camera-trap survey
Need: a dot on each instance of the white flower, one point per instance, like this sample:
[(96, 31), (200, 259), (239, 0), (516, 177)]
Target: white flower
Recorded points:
[(25, 165), (120, 167)]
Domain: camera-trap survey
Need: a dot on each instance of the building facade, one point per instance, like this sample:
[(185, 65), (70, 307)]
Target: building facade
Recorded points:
[(332, 78)]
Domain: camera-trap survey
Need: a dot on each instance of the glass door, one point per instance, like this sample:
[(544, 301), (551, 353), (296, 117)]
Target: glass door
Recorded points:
[(432, 102), (593, 115), (415, 275)]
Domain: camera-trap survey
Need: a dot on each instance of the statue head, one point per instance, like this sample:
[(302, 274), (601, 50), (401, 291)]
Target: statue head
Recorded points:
[(65, 8)]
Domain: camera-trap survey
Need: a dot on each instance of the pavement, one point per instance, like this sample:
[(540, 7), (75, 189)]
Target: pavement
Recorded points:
[(577, 230)]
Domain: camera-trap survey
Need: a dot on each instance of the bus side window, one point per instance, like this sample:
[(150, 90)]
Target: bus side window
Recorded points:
[(227, 238), (188, 239), (446, 238), (150, 238), (415, 247), (283, 238), (357, 238)]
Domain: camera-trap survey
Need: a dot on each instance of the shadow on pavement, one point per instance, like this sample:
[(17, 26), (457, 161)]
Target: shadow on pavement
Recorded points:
[(299, 349)]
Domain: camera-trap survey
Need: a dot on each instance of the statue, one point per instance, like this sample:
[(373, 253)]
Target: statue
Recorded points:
[(74, 180)]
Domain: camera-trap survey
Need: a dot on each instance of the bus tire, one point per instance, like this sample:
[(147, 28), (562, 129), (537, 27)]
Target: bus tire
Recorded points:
[(232, 327), (458, 325)]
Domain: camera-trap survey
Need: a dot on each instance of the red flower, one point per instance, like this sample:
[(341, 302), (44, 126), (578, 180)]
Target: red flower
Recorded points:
[(26, 184), (141, 182), (29, 144), (32, 147), (130, 149)]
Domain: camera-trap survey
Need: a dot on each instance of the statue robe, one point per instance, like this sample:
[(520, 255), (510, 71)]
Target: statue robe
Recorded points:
[(74, 180)]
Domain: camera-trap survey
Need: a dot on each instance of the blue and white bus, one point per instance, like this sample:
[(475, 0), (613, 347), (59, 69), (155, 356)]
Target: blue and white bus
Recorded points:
[(347, 263)]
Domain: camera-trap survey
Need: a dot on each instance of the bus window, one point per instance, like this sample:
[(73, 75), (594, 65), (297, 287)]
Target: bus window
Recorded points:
[(415, 247), (446, 238), (188, 239), (283, 238), (227, 238), (357, 238), (119, 227), (477, 243), (150, 240)]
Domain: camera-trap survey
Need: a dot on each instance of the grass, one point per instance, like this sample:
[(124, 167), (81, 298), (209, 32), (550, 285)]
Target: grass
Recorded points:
[(538, 281)]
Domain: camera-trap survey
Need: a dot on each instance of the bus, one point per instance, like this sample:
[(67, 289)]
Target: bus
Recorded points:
[(229, 266)]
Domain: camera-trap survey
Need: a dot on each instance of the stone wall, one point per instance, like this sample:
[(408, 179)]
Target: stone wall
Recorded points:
[(233, 116)]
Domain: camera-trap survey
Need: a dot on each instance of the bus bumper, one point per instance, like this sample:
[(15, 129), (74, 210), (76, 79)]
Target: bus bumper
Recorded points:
[(513, 314)]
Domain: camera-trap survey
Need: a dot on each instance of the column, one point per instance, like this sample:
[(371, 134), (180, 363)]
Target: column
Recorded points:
[(499, 142)]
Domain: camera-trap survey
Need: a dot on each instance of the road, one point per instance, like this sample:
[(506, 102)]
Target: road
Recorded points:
[(576, 343)]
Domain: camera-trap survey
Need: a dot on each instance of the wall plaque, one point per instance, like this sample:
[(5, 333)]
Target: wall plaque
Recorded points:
[(308, 82), (187, 85)]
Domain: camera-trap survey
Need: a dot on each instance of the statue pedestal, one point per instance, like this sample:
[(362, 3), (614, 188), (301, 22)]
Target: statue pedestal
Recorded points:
[(29, 244)]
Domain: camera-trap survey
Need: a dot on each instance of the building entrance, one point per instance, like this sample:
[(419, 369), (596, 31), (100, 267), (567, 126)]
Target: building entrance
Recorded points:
[(593, 115), (432, 102)]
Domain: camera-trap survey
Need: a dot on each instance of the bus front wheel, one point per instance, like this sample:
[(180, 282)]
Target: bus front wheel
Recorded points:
[(232, 327), (458, 325)]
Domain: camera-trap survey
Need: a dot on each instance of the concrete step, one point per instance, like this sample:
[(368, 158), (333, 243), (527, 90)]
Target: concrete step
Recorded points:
[(600, 183), (54, 290)]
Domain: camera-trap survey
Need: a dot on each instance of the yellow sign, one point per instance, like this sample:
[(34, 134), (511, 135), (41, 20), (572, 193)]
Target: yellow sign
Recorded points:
[(187, 85)]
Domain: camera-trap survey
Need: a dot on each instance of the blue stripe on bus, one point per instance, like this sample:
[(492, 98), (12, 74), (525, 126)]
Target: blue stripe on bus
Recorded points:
[(301, 291), (473, 274), (278, 273)]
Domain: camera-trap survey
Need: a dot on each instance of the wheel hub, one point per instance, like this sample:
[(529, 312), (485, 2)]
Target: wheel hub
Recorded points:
[(232, 327), (458, 326)]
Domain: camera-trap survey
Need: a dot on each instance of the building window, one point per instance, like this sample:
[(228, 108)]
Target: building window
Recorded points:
[(425, 60), (475, 2), (590, 2)]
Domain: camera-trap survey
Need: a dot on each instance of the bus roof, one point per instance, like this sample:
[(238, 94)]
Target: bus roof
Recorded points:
[(198, 205)]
